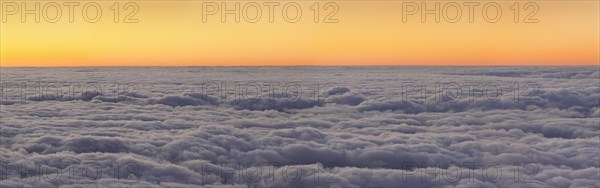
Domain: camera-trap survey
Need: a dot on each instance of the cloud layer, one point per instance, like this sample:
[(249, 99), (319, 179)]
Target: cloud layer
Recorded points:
[(300, 127)]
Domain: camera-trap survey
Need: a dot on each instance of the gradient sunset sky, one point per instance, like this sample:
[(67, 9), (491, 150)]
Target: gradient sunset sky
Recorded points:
[(172, 33)]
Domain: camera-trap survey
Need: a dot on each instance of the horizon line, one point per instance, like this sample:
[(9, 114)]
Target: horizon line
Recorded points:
[(133, 66)]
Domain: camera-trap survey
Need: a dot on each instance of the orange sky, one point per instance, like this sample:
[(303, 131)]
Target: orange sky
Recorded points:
[(172, 33)]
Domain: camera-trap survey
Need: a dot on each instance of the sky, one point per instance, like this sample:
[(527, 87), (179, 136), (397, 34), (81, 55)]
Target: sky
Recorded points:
[(191, 33)]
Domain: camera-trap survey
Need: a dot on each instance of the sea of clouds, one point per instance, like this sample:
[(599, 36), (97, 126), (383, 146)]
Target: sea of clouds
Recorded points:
[(300, 127)]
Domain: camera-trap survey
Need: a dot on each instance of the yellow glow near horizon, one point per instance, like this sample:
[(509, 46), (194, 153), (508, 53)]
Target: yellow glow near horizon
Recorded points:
[(172, 33)]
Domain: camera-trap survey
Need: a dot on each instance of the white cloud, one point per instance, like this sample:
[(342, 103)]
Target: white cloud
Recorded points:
[(363, 133)]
